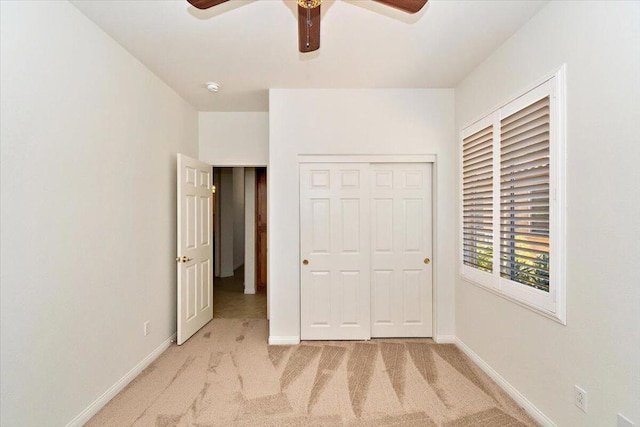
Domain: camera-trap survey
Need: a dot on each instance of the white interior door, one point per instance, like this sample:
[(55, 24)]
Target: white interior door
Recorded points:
[(334, 243), (401, 234), (195, 251)]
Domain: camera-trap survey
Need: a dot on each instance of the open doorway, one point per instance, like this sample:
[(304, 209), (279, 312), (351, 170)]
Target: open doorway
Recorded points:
[(240, 242)]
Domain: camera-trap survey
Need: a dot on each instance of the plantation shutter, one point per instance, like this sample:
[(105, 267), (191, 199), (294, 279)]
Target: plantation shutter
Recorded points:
[(524, 195), (477, 199)]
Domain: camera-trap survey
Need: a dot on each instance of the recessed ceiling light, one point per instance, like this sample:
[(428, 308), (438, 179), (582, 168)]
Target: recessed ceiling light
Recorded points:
[(213, 87)]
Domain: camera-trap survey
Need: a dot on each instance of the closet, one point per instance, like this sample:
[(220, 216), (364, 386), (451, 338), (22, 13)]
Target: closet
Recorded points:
[(366, 244)]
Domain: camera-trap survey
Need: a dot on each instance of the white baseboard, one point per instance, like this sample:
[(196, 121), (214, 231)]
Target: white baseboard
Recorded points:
[(99, 403), (534, 412), (284, 340), (445, 339)]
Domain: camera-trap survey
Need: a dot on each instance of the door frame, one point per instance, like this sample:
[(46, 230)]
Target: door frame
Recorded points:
[(250, 165), (394, 158)]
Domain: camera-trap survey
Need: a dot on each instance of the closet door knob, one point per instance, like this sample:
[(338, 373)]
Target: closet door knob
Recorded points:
[(305, 261), (427, 260)]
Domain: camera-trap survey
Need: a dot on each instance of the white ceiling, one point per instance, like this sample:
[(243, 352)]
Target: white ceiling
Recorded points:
[(249, 46)]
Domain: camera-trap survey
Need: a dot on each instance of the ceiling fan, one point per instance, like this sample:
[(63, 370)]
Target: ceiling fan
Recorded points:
[(309, 17)]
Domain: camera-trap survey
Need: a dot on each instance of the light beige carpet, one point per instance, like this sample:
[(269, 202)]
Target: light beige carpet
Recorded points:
[(226, 375)]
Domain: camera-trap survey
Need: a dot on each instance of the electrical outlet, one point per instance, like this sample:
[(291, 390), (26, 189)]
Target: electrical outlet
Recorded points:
[(146, 328), (624, 421), (580, 398)]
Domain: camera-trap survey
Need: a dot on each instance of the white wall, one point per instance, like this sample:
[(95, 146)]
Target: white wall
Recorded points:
[(88, 211), (362, 121), (599, 348), (234, 139), (225, 191), (250, 231)]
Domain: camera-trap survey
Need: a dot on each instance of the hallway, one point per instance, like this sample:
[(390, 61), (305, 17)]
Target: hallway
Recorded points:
[(230, 301)]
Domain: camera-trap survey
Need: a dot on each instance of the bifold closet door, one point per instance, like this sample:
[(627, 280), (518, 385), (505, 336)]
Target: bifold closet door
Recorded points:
[(401, 245), (335, 252)]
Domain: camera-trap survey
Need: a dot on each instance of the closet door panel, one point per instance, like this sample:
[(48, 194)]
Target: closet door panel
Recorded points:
[(402, 237), (334, 251)]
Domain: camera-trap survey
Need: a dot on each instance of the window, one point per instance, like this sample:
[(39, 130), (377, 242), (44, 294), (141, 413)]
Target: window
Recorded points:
[(477, 199), (512, 185), (524, 196)]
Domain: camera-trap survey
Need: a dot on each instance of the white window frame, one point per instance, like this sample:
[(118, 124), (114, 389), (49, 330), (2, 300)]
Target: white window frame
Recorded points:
[(551, 304)]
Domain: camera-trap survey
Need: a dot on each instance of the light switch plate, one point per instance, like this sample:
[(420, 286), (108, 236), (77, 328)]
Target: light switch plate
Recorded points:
[(580, 398)]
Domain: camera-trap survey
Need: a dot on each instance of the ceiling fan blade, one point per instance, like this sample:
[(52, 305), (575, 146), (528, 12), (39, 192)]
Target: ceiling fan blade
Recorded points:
[(308, 29), (205, 4), (409, 6)]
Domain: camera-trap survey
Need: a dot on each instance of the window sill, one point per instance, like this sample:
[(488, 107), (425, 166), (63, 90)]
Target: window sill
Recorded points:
[(549, 315)]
